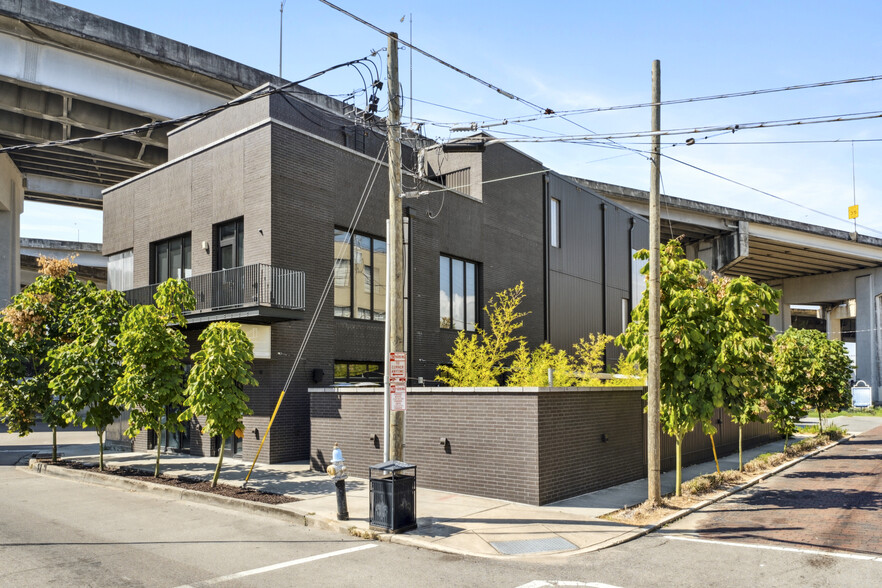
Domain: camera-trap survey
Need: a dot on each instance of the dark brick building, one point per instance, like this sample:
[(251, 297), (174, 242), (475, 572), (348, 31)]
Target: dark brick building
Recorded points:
[(255, 201)]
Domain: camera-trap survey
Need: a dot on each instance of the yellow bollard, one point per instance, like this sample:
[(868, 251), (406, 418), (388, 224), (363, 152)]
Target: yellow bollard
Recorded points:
[(714, 447), (265, 433)]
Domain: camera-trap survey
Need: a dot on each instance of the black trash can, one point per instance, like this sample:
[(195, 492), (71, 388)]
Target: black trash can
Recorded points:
[(393, 496)]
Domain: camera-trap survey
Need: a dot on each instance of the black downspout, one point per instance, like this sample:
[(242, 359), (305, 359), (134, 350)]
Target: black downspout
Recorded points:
[(605, 277), (546, 203)]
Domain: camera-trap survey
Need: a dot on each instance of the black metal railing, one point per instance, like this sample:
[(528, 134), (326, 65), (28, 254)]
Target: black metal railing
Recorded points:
[(239, 287)]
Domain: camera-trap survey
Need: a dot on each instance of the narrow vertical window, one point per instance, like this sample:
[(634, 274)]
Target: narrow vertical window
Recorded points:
[(342, 268), (379, 280), (554, 222), (446, 315)]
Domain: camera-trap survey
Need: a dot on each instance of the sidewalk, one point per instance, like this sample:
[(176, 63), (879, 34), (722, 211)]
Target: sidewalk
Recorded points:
[(449, 522)]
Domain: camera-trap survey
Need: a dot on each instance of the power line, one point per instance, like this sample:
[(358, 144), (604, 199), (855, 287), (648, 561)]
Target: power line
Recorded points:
[(180, 120), (439, 60), (775, 196), (709, 129), (503, 121)]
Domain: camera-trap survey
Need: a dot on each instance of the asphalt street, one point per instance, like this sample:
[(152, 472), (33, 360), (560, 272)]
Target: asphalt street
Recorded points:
[(59, 532)]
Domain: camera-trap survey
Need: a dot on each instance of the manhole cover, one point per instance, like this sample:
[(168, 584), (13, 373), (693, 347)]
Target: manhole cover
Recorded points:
[(523, 546)]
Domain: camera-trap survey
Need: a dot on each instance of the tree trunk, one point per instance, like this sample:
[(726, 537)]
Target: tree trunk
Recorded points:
[(786, 437), (679, 465), (54, 445), (100, 450), (158, 448), (220, 460), (740, 450), (820, 423)]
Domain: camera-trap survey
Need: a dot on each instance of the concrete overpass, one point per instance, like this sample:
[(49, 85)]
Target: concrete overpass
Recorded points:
[(838, 271), (64, 74)]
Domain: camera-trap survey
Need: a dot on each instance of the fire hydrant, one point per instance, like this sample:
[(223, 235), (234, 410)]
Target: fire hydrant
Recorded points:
[(338, 471)]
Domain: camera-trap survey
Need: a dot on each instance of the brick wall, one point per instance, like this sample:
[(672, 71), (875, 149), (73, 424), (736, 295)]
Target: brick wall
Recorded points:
[(528, 445)]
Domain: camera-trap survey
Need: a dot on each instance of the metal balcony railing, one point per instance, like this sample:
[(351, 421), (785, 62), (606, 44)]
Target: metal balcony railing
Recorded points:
[(239, 287)]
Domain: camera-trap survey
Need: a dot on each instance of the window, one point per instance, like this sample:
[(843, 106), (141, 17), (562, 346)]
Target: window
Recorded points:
[(355, 372), (554, 223), (171, 259), (230, 245), (359, 276), (120, 271), (459, 180), (638, 280), (458, 300)]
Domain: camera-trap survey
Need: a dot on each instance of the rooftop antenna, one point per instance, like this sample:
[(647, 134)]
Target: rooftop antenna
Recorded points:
[(281, 22)]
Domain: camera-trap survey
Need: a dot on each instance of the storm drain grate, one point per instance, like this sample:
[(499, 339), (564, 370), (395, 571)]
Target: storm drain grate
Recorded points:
[(523, 546)]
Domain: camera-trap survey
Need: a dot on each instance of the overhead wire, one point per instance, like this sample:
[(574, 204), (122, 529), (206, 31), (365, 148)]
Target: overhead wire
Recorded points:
[(512, 120), (158, 124), (851, 117), (437, 59)]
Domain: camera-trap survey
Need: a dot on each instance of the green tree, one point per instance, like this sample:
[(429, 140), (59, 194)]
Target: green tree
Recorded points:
[(690, 389), (812, 371), (743, 362), (37, 320), (480, 359), (530, 369), (152, 383), (221, 368), (88, 367)]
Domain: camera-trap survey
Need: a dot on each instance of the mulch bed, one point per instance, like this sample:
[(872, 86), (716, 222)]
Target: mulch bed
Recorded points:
[(183, 483)]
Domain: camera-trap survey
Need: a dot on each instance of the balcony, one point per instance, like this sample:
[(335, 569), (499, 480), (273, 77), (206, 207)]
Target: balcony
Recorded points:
[(256, 293)]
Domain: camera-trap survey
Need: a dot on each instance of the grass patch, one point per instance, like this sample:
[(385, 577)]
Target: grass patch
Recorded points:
[(874, 411), (708, 486)]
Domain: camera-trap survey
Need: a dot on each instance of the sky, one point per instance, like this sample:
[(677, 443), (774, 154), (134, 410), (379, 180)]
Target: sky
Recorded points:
[(573, 55)]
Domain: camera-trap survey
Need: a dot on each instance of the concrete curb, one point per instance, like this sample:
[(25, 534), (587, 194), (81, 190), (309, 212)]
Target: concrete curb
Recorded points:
[(107, 480), (310, 520), (688, 511)]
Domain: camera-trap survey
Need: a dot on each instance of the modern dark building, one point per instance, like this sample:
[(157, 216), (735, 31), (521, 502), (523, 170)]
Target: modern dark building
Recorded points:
[(253, 208)]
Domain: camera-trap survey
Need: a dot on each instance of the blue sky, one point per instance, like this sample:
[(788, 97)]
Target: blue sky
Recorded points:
[(570, 55)]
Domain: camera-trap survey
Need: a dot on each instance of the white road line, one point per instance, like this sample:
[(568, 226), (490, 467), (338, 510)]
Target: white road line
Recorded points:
[(553, 583), (778, 548), (278, 566)]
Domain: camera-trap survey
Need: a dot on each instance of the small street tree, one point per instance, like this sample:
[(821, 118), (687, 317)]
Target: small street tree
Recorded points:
[(709, 330), (37, 320), (530, 368), (812, 371), (479, 359), (152, 383), (221, 368), (744, 356), (88, 367), (589, 357)]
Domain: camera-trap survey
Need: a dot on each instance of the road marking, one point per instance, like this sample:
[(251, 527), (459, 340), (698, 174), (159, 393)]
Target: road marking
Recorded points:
[(278, 566), (553, 583), (778, 548)]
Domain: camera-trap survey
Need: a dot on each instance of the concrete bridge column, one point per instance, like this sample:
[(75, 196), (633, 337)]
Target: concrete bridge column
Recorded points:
[(11, 206), (867, 336)]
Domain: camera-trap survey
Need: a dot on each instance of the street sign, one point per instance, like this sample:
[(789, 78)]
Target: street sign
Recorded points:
[(853, 211), (398, 380)]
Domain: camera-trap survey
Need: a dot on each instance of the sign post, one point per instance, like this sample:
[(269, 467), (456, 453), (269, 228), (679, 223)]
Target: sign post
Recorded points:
[(398, 380)]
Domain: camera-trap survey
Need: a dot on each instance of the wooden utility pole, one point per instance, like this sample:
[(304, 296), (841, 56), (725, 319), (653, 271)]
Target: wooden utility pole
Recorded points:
[(653, 397), (395, 257)]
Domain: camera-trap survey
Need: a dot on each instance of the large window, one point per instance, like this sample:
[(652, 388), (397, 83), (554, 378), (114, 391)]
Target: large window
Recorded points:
[(121, 271), (359, 276), (459, 286), (356, 372), (171, 259)]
